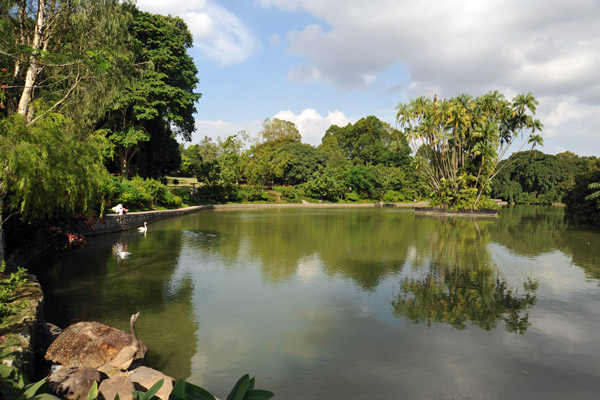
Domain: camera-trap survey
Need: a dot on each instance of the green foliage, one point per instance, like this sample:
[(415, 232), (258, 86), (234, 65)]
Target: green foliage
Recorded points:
[(328, 184), (15, 386), (49, 169), (252, 193), (464, 138), (583, 200), (288, 193), (8, 284), (368, 142), (362, 181), (160, 102), (535, 177), (141, 193)]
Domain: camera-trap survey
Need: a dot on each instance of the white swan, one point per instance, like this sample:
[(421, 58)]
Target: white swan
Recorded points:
[(143, 228), (123, 254)]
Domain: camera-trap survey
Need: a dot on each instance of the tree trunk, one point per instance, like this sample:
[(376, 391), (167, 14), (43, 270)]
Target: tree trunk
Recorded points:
[(33, 70)]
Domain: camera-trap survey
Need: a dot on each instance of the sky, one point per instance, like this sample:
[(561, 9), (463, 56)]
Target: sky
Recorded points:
[(323, 62)]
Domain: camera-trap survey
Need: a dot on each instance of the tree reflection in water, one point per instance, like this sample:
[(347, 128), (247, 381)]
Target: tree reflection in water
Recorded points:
[(456, 282), (457, 296)]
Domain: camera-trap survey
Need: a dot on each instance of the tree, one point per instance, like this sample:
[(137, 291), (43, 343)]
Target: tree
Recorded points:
[(459, 142), (370, 142), (159, 104), (55, 84), (583, 199), (277, 130)]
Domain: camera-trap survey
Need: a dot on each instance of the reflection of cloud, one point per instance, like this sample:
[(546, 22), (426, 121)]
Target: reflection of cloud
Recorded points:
[(229, 342), (308, 268)]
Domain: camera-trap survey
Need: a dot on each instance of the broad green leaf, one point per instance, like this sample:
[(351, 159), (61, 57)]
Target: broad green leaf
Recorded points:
[(193, 392), (154, 389), (239, 389), (93, 393), (178, 390), (257, 394)]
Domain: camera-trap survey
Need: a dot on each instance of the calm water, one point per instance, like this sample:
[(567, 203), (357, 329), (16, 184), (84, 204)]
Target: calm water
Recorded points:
[(352, 303)]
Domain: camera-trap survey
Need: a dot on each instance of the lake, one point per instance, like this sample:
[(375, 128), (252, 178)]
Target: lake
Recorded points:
[(373, 303)]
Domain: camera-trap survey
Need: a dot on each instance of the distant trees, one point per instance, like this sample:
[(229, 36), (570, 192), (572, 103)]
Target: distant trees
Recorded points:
[(459, 142), (583, 198), (535, 177)]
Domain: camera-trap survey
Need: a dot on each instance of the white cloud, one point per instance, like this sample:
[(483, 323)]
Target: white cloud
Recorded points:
[(547, 47), (218, 34), (452, 46), (311, 124)]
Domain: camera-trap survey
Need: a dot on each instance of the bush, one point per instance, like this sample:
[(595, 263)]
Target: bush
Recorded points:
[(352, 196), (253, 193), (140, 192), (391, 196), (288, 193)]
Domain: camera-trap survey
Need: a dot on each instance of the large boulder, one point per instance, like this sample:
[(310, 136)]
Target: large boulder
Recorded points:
[(90, 344), (144, 378), (73, 383), (119, 385)]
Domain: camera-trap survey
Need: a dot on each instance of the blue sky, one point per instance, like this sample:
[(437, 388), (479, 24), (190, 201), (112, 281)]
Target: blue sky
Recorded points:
[(323, 62)]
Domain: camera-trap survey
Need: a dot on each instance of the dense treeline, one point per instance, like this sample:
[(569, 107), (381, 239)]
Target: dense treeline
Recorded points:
[(368, 160), (538, 178)]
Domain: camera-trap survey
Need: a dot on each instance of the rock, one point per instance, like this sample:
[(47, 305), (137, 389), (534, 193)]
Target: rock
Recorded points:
[(119, 385), (45, 335), (73, 382), (90, 344), (144, 378)]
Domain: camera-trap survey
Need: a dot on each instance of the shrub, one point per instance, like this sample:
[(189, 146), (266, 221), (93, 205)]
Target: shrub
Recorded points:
[(288, 193), (391, 196), (352, 196), (253, 193)]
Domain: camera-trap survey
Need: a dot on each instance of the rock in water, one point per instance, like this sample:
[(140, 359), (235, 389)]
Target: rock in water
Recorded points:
[(119, 385), (90, 344), (144, 378), (73, 382)]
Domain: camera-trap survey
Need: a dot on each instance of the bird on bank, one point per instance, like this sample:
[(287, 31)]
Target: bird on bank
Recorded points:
[(143, 228), (125, 357)]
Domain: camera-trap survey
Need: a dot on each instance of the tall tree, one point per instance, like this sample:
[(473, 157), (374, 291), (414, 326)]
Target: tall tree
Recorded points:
[(160, 103)]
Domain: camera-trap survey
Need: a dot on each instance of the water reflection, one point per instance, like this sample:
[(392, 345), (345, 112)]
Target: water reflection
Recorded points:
[(100, 284), (314, 298), (455, 296), (453, 279)]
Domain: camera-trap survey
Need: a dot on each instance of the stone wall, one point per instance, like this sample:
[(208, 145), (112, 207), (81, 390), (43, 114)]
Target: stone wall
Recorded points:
[(17, 333)]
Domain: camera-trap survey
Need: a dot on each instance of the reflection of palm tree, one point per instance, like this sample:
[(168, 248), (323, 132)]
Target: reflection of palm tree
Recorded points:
[(458, 295), (460, 283)]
